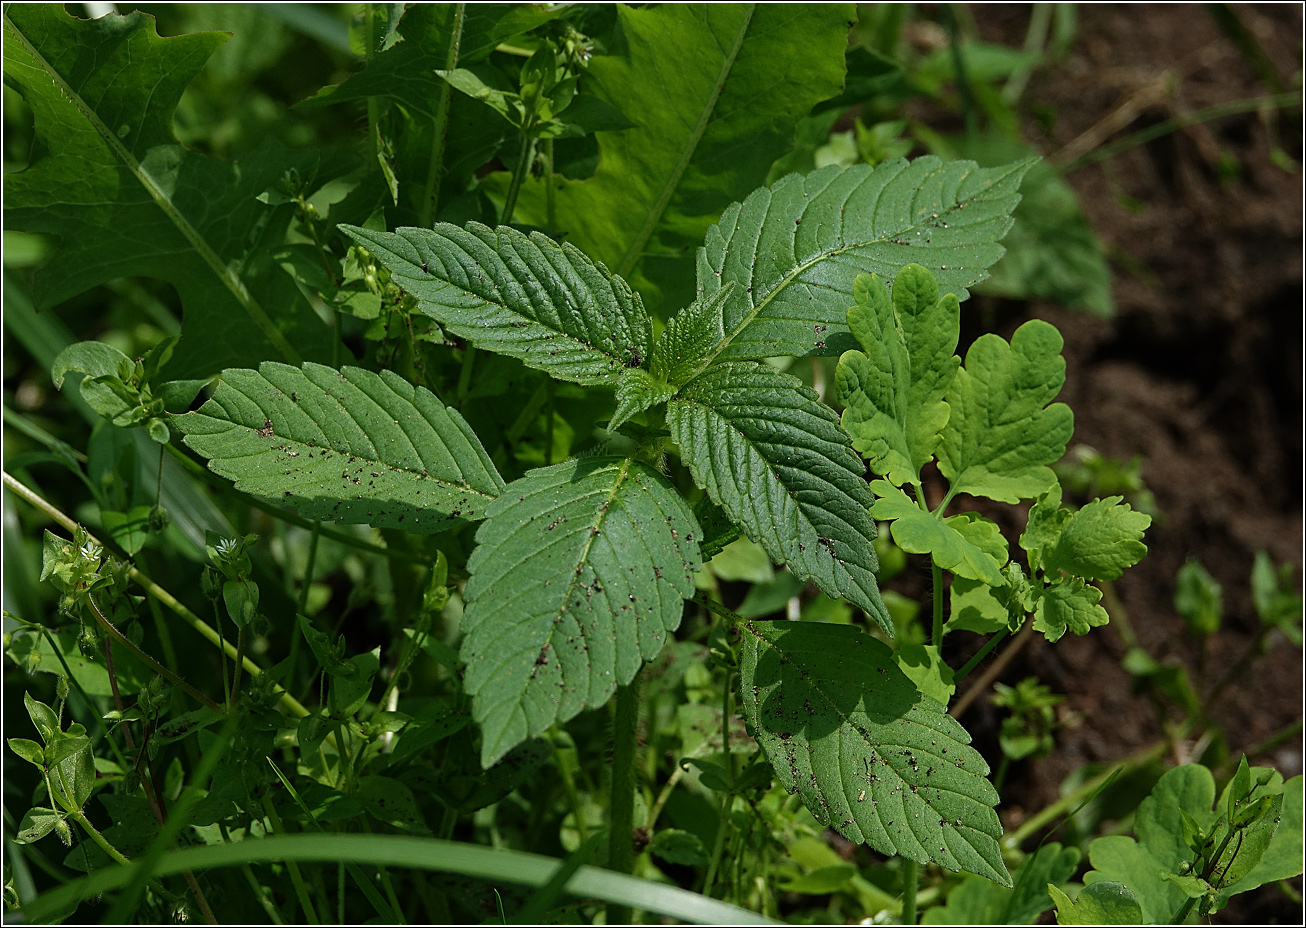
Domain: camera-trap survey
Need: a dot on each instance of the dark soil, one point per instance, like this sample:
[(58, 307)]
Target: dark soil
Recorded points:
[(1199, 373)]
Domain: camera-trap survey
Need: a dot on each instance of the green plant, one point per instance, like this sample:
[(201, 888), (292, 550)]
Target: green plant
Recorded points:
[(516, 414)]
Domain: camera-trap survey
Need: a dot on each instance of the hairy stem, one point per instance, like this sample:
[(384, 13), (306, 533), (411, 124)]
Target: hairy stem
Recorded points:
[(909, 879), (435, 167), (621, 850)]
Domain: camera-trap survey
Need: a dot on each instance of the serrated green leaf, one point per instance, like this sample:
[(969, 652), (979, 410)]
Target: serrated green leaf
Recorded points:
[(1104, 903), (689, 76), (718, 531), (524, 296), (794, 249), (774, 458), (681, 353), (1068, 603), (1096, 542), (951, 542), (892, 390), (638, 390), (345, 446), (579, 576), (999, 438), (871, 757), (109, 169)]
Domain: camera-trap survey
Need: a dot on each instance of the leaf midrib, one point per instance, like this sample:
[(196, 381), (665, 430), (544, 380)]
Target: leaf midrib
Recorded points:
[(789, 278), (654, 215), (188, 231)]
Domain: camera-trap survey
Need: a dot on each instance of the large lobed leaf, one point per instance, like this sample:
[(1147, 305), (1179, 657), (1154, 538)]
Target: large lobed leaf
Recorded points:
[(794, 250), (1001, 433), (525, 296), (715, 91), (346, 446), (893, 389), (774, 458), (110, 180), (870, 756), (578, 577)]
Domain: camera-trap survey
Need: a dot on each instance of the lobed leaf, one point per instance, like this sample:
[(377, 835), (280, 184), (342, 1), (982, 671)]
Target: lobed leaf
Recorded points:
[(1068, 603), (345, 446), (690, 76), (578, 577), (793, 250), (870, 756), (107, 169), (774, 458), (967, 544), (999, 438), (1096, 542), (893, 389), (525, 296)]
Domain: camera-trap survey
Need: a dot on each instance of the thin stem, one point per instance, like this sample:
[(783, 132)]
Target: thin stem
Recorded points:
[(986, 680), (435, 167), (949, 17), (621, 850), (519, 172), (936, 635), (1040, 19), (158, 592), (147, 660), (550, 204), (77, 816), (910, 874), (465, 376), (308, 569), (979, 656), (301, 890)]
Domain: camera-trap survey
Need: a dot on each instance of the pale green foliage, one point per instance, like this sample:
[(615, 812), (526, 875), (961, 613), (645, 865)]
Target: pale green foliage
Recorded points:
[(525, 296), (793, 250), (967, 544), (893, 389), (871, 757), (977, 901), (1097, 541), (1000, 439), (774, 458), (1105, 903), (347, 445), (1181, 850), (578, 578)]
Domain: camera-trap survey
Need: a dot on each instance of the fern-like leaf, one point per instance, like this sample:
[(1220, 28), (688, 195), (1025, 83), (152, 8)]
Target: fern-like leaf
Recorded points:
[(870, 756), (344, 446), (793, 250), (526, 296), (775, 459), (578, 577)]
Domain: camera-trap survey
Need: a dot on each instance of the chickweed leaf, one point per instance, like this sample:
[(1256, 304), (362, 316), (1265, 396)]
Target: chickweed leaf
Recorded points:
[(871, 757), (1000, 438), (346, 446), (528, 297), (578, 577), (794, 250), (1104, 903), (893, 389), (773, 457)]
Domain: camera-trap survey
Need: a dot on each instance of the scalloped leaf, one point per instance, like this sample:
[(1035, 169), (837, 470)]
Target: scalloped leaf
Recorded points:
[(525, 296), (1000, 437), (775, 459), (794, 249), (870, 756), (967, 544), (345, 446), (893, 389), (1096, 542), (578, 577)]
